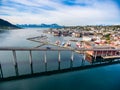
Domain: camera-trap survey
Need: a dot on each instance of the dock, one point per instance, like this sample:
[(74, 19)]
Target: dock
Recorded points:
[(40, 39), (44, 41)]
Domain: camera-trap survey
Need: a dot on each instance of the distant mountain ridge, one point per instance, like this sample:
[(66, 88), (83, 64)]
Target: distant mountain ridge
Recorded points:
[(39, 25), (7, 25)]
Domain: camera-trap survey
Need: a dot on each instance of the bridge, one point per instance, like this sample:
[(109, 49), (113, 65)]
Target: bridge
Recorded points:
[(115, 59)]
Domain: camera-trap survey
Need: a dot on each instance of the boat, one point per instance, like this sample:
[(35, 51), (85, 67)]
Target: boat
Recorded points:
[(57, 42), (63, 43), (86, 38), (68, 44), (78, 44), (73, 40)]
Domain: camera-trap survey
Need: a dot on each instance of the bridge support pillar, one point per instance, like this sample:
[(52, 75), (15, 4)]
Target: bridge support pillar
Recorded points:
[(31, 63), (72, 58), (59, 60), (45, 60), (83, 61), (15, 63), (1, 72)]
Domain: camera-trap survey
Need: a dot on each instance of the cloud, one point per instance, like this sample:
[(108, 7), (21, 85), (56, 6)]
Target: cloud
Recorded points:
[(79, 12)]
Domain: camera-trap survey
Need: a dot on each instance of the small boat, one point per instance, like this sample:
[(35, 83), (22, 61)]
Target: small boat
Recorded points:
[(57, 42), (78, 44), (73, 40), (63, 43), (68, 44)]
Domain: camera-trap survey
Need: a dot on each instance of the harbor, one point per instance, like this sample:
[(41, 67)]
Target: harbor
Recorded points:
[(22, 60), (82, 44), (45, 53)]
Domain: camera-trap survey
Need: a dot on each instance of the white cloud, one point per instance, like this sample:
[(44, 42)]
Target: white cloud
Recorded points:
[(95, 12)]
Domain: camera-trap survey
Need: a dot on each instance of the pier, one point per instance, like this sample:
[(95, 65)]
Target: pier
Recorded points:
[(115, 59)]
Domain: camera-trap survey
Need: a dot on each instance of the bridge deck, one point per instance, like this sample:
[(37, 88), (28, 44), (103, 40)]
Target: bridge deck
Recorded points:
[(54, 49)]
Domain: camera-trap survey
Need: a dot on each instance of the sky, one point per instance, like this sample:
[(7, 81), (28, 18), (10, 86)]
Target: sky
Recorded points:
[(63, 12)]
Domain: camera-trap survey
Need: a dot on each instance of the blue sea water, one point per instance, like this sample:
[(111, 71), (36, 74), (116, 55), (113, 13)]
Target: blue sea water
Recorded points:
[(103, 78)]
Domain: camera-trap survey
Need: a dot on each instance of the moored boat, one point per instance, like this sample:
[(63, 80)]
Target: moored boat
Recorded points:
[(78, 44)]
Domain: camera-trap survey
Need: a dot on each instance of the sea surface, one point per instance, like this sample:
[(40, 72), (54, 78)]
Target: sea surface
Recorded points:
[(101, 78)]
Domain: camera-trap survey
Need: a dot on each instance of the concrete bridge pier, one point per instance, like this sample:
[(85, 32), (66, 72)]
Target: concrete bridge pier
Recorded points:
[(59, 60), (15, 63), (1, 72), (45, 60), (72, 58), (83, 59), (31, 63)]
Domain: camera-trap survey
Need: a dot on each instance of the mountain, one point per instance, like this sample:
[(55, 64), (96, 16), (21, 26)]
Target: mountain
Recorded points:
[(39, 25), (7, 25)]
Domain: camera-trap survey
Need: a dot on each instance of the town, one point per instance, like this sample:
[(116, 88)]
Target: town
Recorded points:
[(92, 37)]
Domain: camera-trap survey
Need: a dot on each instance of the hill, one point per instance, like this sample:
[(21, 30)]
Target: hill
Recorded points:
[(7, 25)]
